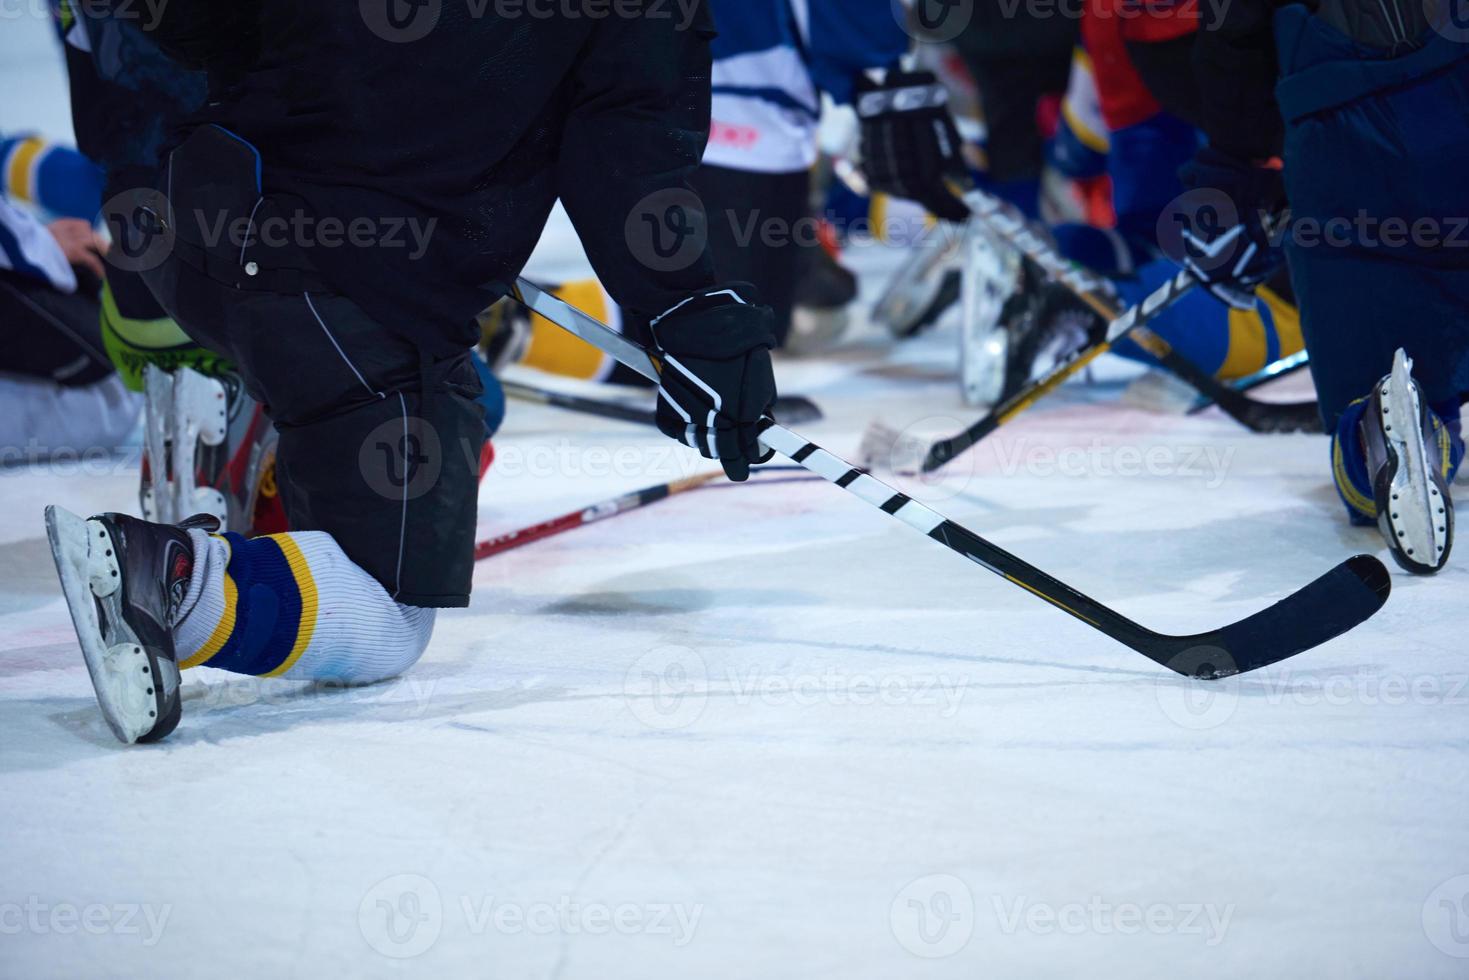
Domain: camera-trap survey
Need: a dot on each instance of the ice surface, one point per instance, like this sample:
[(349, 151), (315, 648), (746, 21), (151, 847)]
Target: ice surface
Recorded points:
[(767, 732)]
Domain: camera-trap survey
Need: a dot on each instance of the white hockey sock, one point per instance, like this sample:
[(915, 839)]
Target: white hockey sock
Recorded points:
[(295, 606)]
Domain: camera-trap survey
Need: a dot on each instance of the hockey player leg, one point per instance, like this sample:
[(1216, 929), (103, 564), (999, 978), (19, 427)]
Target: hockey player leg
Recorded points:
[(294, 606), (148, 600)]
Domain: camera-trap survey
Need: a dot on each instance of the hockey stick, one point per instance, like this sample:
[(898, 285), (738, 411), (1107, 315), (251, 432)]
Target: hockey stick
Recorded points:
[(1340, 600), (502, 543), (589, 515), (1133, 322), (1094, 291), (575, 403), (792, 408), (1282, 368)]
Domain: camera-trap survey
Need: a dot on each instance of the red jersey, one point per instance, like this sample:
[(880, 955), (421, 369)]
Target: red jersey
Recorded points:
[(1106, 30)]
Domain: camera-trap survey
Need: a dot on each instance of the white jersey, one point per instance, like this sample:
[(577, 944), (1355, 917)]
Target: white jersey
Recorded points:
[(26, 247), (774, 59)]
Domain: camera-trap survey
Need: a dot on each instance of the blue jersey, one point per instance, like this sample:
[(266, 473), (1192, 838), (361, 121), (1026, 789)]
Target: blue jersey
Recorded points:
[(774, 58)]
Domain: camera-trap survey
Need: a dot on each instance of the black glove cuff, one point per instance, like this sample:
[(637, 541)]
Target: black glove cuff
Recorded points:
[(717, 324), (901, 92)]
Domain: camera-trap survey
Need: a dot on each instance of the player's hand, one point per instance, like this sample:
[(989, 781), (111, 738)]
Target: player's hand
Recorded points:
[(1223, 229), (716, 382), (910, 146), (80, 243)]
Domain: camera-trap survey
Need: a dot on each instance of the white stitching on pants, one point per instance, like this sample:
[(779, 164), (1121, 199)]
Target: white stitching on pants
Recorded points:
[(249, 228), (403, 520), (348, 360)]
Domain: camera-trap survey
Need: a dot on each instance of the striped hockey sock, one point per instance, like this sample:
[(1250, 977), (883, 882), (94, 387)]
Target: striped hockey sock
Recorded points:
[(294, 606)]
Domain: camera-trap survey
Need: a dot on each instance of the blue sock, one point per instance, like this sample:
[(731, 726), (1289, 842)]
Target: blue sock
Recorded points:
[(271, 602)]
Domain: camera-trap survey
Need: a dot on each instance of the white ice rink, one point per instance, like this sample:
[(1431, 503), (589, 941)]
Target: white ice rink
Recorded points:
[(766, 732)]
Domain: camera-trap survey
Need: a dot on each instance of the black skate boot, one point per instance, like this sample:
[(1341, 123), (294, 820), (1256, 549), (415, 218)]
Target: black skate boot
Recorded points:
[(1405, 460), (124, 580)]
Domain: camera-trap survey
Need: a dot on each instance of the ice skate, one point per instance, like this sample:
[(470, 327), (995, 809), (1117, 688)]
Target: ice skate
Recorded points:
[(124, 580), (1405, 459)]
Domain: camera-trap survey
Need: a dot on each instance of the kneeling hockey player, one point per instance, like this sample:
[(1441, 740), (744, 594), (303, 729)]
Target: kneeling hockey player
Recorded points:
[(1366, 88), (441, 143)]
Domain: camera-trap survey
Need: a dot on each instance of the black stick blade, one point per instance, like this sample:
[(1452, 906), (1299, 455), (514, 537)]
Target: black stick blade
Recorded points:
[(1342, 599), (1284, 417)]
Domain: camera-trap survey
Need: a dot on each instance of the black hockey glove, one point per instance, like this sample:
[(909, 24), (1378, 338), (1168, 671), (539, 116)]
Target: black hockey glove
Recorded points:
[(910, 145), (1222, 230), (716, 382)]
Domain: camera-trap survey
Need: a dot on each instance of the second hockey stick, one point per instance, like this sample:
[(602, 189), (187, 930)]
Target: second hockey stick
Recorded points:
[(1283, 368), (1092, 290), (1336, 602), (511, 540), (792, 408)]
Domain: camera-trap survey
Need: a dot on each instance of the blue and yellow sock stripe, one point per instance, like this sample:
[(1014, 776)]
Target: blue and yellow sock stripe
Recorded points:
[(21, 160), (226, 627), (55, 178), (271, 607), (1349, 464)]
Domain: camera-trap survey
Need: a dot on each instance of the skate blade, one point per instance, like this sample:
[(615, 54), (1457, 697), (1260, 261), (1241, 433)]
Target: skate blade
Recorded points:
[(121, 674), (1415, 520)]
